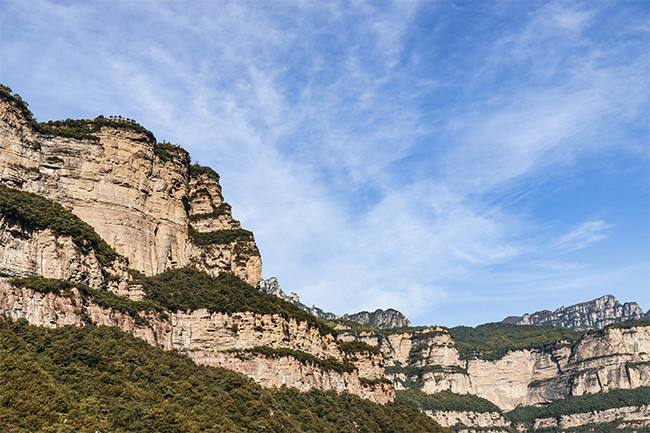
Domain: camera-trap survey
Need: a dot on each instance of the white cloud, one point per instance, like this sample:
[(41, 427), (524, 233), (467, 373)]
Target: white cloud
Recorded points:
[(583, 236), (363, 189)]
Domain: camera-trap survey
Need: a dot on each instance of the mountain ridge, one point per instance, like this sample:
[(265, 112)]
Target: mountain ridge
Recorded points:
[(594, 314), (380, 319), (187, 282)]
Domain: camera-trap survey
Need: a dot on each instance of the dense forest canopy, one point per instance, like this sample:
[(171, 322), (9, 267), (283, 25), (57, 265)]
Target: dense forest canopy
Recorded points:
[(99, 379)]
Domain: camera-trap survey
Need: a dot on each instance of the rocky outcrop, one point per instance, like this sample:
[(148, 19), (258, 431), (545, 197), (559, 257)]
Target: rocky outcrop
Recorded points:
[(287, 370), (600, 361), (133, 191), (380, 319), (272, 287), (620, 415), (25, 252), (216, 339), (464, 421), (595, 314)]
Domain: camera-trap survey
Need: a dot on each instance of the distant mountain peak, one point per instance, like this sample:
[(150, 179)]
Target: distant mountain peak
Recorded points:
[(594, 314), (380, 319)]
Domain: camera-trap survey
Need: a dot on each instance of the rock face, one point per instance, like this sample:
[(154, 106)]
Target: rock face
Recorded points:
[(491, 420), (272, 287), (629, 413), (137, 194), (158, 212), (25, 251), (380, 319), (595, 314), (600, 361), (217, 339)]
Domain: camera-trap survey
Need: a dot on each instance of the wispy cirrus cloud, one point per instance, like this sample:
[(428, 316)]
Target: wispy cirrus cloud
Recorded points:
[(391, 154), (582, 236)]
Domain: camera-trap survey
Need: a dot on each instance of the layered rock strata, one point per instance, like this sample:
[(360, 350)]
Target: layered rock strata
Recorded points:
[(468, 421), (25, 251), (601, 361), (629, 416), (134, 192), (216, 339), (595, 314)]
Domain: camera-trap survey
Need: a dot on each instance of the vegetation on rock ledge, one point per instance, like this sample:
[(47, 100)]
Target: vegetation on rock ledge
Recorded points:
[(41, 213), (581, 404), (81, 129), (355, 346), (197, 170), (494, 340), (219, 237), (447, 401), (190, 289), (99, 379), (171, 152)]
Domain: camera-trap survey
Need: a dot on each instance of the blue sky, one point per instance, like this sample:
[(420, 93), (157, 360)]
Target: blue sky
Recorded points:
[(459, 161)]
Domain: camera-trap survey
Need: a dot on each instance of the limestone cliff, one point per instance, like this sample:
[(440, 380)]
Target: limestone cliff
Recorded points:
[(294, 354), (380, 319), (141, 196), (595, 314), (91, 201), (428, 359), (628, 416), (469, 422)]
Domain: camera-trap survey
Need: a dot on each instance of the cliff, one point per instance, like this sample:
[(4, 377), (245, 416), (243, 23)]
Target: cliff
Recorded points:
[(98, 378), (101, 205), (635, 417), (142, 197), (429, 360), (380, 319), (135, 237), (270, 348), (595, 314)]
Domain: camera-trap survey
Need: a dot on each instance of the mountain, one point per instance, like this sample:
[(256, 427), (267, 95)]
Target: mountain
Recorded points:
[(130, 300), (380, 319), (143, 198), (102, 224), (99, 379), (595, 314)]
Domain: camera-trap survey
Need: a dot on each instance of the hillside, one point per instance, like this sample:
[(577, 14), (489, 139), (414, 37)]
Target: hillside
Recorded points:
[(99, 379), (107, 234)]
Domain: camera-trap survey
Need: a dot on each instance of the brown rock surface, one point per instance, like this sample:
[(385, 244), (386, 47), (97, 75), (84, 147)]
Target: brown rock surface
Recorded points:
[(206, 337), (609, 359), (135, 199)]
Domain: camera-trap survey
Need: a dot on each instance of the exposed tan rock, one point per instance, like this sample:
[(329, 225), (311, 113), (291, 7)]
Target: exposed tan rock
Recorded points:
[(370, 366), (613, 358), (289, 371), (204, 336), (24, 252), (137, 201), (468, 419), (628, 413), (594, 314)]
